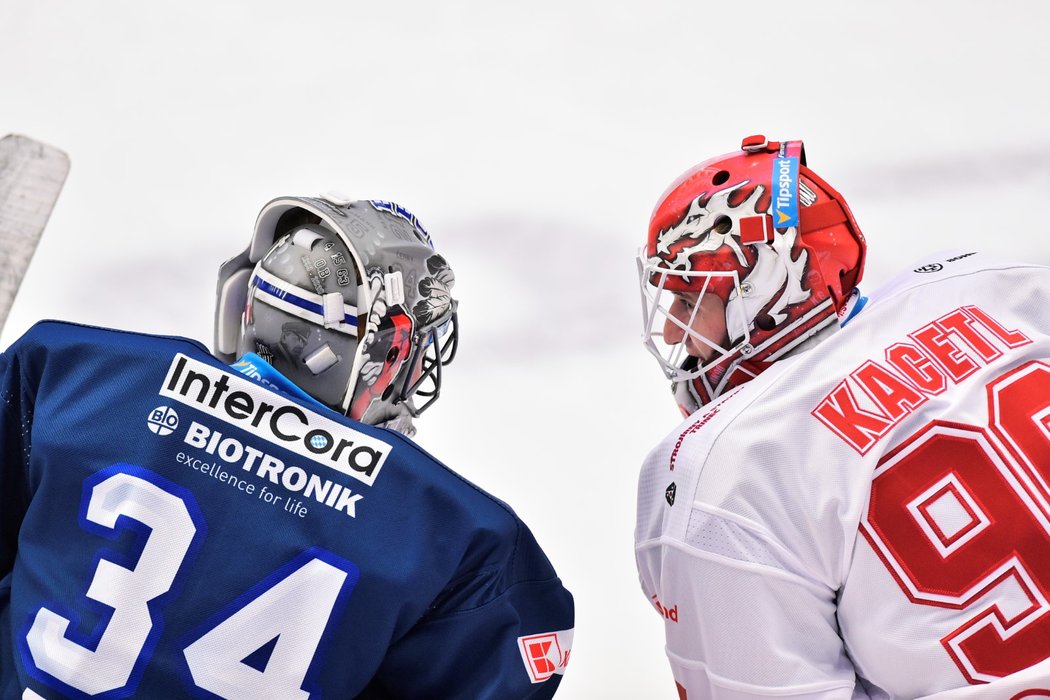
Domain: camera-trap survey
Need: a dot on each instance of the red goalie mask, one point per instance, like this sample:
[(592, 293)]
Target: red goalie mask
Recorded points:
[(749, 254)]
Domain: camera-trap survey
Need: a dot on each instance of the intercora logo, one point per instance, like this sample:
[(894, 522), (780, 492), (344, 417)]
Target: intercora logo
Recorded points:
[(269, 416), (163, 420)]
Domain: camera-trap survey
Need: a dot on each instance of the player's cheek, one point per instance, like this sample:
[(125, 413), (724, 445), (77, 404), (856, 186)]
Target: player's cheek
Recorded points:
[(672, 333)]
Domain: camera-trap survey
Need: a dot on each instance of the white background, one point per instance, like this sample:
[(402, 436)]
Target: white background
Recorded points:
[(532, 139)]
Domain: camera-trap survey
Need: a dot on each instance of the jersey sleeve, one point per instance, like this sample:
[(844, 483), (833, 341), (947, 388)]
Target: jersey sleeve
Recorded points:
[(741, 559), (503, 631), (15, 422), (727, 620), (1030, 683)]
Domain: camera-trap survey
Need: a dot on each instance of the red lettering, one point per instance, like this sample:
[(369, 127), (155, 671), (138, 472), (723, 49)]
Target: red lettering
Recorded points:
[(839, 411), (669, 613), (690, 430), (943, 350), (962, 323), (890, 392), (950, 348), (1013, 339), (917, 367)]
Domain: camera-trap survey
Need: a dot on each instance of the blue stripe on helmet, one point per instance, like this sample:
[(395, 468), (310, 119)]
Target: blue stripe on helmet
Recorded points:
[(289, 297)]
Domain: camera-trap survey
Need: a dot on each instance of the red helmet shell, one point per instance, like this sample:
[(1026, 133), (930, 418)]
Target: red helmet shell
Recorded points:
[(719, 217), (827, 225)]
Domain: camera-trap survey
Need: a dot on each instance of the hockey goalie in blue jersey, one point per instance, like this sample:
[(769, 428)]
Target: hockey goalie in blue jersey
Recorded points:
[(174, 526)]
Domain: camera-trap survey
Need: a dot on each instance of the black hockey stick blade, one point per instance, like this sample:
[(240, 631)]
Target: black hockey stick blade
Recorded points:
[(31, 177)]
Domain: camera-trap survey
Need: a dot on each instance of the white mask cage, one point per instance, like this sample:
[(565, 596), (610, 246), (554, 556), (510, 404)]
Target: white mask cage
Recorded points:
[(656, 314)]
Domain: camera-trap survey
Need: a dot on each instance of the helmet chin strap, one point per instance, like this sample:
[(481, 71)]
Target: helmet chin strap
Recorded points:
[(401, 421), (369, 296)]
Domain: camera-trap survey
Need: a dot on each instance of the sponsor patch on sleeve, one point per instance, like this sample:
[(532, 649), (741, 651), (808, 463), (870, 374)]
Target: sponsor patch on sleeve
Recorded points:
[(545, 654)]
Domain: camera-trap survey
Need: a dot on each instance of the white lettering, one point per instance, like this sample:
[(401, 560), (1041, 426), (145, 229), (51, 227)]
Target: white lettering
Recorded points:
[(266, 467)]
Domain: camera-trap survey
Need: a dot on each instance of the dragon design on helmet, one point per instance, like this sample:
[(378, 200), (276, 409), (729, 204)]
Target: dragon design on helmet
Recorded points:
[(712, 233), (772, 274)]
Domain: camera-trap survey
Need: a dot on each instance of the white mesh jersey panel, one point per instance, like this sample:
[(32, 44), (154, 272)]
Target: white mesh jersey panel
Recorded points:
[(775, 571), (722, 534)]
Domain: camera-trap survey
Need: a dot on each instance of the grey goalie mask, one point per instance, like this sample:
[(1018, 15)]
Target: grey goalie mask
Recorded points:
[(348, 300)]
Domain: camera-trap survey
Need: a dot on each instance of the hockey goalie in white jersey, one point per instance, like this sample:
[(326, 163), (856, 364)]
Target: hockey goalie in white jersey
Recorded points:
[(858, 502)]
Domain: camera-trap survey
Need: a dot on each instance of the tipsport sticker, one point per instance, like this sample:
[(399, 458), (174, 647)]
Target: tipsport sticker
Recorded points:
[(785, 190)]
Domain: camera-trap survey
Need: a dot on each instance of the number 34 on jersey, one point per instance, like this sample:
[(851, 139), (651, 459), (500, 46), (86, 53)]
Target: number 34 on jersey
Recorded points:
[(281, 620)]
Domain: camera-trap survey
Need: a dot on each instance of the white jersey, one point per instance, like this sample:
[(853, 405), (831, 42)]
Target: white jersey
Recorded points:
[(870, 518)]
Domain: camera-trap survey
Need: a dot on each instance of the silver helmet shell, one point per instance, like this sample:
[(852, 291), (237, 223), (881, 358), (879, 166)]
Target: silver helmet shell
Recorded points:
[(348, 299)]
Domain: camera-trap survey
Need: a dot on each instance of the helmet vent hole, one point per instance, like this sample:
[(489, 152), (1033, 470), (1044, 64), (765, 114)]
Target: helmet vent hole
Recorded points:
[(720, 177), (723, 224), (765, 322)]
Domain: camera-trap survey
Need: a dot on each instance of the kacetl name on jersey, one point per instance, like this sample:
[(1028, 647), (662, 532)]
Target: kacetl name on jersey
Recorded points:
[(877, 395)]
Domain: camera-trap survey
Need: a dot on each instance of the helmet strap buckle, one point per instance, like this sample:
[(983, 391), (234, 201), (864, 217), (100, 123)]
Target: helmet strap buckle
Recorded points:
[(758, 144), (394, 288)]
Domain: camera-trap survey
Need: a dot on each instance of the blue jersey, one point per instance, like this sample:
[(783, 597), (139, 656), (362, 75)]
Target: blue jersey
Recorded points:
[(171, 528)]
